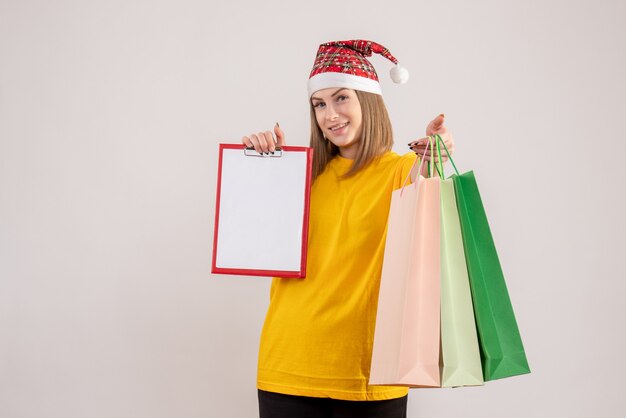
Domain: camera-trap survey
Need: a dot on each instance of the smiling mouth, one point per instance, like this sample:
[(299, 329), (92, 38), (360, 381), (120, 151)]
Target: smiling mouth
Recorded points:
[(337, 127)]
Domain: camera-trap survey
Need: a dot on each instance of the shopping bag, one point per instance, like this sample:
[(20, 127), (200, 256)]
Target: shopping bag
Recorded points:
[(501, 348), (460, 354), (407, 331), (461, 365)]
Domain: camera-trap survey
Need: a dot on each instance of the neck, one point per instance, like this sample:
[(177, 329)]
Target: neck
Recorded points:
[(349, 152)]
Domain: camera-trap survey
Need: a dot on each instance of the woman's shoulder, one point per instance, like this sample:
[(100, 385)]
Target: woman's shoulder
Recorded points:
[(396, 166), (393, 158)]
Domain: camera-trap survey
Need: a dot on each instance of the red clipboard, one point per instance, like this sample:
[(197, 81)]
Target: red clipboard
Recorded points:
[(262, 211)]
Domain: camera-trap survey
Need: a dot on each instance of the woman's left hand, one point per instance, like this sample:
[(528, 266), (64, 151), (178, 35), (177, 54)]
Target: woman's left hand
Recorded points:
[(436, 126)]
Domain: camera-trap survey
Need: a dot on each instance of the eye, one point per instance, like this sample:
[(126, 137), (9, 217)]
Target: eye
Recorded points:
[(342, 98), (319, 105)]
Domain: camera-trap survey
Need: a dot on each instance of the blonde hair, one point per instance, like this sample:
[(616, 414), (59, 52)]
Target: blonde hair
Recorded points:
[(376, 136)]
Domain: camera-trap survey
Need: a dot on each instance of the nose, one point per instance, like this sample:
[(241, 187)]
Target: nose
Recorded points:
[(331, 113)]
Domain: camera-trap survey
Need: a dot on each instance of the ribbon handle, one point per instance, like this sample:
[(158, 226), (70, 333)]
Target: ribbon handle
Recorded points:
[(419, 169), (437, 138)]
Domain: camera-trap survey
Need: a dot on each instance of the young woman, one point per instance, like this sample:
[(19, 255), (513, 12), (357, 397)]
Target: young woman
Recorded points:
[(316, 343)]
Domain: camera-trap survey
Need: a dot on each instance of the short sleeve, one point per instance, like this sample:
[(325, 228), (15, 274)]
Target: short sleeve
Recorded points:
[(403, 168)]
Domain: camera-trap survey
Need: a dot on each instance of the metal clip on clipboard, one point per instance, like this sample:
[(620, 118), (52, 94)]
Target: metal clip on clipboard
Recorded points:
[(250, 152)]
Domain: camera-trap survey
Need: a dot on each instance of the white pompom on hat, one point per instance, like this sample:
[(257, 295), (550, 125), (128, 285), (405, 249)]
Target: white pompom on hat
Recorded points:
[(344, 64), (399, 75)]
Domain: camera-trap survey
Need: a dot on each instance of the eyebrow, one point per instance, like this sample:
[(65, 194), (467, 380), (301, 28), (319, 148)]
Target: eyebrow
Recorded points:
[(332, 95)]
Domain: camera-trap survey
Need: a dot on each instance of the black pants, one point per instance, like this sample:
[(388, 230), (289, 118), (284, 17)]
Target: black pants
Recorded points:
[(277, 405)]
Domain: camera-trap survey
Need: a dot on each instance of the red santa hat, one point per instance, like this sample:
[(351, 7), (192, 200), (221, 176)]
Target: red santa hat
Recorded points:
[(343, 64)]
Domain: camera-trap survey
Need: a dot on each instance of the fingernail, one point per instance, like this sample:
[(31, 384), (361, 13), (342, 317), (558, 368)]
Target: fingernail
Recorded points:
[(277, 124), (442, 115)]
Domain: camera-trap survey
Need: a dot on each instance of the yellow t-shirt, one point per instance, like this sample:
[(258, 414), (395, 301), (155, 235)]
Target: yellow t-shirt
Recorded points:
[(318, 333)]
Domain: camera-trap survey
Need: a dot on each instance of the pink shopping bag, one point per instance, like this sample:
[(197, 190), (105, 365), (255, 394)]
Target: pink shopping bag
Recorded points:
[(407, 333)]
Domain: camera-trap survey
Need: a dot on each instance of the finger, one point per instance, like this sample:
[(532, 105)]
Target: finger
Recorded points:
[(271, 142), (449, 146), (435, 159), (425, 141), (418, 142), (445, 138), (247, 142), (262, 142), (436, 125), (420, 145), (444, 135), (430, 154), (256, 143), (438, 121), (421, 148), (420, 151), (280, 135)]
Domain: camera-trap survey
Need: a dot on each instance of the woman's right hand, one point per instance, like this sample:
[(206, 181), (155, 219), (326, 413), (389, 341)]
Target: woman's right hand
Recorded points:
[(264, 142)]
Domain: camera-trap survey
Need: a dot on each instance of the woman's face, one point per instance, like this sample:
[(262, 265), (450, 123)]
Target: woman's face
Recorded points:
[(338, 114)]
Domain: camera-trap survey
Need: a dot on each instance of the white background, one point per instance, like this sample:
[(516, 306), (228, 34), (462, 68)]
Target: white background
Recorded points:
[(110, 116)]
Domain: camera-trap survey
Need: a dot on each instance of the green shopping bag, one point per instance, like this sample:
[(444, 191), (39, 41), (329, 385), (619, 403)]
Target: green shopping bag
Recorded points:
[(460, 353), (501, 349)]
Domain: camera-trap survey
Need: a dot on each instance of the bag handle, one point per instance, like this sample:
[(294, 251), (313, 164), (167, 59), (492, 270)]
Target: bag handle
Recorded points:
[(439, 140), (432, 167), (419, 169)]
